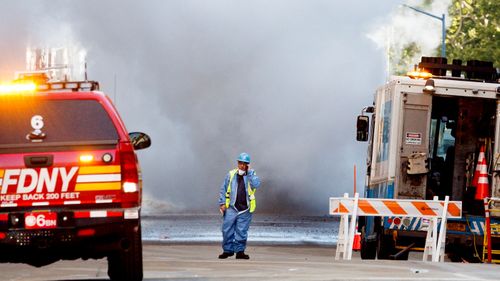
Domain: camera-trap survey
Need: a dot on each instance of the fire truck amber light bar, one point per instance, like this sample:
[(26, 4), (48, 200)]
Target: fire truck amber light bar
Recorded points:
[(17, 87), (71, 86), (129, 187), (86, 85)]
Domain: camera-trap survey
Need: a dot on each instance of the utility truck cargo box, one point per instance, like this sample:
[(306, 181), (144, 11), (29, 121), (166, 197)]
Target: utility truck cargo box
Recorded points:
[(434, 132)]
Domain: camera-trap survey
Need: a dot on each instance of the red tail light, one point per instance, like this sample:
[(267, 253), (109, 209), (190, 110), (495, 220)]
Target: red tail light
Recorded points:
[(128, 162)]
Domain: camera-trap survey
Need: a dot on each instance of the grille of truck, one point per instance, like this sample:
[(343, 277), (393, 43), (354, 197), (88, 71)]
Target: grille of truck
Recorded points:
[(41, 238)]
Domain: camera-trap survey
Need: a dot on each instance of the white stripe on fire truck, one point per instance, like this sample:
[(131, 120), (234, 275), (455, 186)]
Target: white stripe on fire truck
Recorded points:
[(1, 180), (74, 202), (8, 205), (98, 178), (98, 201), (40, 203), (98, 214)]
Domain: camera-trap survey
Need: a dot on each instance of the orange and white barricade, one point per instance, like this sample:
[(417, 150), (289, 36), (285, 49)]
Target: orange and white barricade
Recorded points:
[(435, 210)]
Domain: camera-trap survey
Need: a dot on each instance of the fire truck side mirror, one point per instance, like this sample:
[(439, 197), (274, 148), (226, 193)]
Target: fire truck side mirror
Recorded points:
[(362, 128), (140, 140)]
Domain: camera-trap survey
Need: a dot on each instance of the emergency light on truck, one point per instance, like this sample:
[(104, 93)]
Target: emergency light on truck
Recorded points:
[(38, 81), (419, 74), (13, 88)]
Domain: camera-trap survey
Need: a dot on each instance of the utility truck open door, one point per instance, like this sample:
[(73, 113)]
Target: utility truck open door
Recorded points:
[(412, 175)]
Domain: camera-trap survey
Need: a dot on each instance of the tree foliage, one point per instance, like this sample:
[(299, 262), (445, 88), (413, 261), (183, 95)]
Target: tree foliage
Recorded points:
[(474, 32), (406, 58)]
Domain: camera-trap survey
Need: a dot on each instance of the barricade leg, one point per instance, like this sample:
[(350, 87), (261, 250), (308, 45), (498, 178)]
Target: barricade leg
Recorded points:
[(343, 236), (352, 226), (430, 239), (441, 241)]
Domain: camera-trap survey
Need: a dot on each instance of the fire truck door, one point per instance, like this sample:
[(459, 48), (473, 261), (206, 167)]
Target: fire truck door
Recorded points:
[(414, 150)]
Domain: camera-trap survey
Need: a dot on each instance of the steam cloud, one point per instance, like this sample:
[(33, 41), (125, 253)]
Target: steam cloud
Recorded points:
[(281, 80), (405, 25)]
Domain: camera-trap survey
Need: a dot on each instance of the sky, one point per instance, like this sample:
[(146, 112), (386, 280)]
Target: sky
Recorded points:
[(280, 80)]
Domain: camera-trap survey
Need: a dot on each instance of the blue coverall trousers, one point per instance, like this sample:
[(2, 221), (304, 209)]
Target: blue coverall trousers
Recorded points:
[(235, 230)]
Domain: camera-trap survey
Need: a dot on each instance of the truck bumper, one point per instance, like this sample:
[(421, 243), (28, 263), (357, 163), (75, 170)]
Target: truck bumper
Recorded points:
[(79, 234)]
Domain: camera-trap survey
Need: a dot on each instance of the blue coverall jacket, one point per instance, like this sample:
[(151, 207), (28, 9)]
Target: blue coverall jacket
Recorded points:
[(254, 183), (236, 223)]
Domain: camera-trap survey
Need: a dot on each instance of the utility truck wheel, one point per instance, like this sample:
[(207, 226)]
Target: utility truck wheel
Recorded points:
[(126, 265), (368, 248), (385, 246)]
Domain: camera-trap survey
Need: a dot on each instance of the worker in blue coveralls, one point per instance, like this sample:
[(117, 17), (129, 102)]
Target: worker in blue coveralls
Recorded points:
[(237, 203)]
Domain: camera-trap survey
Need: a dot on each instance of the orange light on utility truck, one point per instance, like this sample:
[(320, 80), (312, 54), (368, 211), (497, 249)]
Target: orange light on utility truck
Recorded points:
[(416, 74)]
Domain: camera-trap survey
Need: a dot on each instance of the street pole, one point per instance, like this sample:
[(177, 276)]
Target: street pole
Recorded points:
[(443, 27), (443, 37)]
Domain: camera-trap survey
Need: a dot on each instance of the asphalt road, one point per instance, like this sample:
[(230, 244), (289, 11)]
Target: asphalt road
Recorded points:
[(199, 262)]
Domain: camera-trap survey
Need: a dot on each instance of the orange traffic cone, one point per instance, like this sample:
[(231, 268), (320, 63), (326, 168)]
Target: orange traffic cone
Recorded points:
[(481, 182), (356, 245)]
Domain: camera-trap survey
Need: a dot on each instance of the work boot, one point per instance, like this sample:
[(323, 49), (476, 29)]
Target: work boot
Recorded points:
[(225, 255), (242, 256)]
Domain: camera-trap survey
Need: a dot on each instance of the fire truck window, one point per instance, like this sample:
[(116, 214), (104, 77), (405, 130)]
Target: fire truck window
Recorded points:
[(57, 120)]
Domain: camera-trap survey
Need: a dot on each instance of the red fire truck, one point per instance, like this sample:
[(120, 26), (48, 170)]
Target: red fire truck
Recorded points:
[(69, 177)]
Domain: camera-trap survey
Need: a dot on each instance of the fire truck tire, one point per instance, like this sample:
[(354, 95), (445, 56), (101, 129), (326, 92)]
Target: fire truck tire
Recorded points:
[(385, 246), (368, 248), (126, 265)]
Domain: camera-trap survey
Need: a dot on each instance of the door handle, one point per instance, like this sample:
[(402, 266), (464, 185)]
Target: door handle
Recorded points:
[(38, 161)]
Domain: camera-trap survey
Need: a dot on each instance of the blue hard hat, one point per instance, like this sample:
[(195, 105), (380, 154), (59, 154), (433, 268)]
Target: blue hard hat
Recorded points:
[(244, 157)]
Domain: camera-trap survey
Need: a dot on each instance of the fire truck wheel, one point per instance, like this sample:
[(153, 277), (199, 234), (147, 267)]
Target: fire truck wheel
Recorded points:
[(126, 265), (368, 248)]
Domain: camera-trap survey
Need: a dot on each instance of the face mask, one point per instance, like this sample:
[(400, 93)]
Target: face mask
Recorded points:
[(241, 172)]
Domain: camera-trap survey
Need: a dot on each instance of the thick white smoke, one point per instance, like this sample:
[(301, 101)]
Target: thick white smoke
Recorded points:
[(281, 80)]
